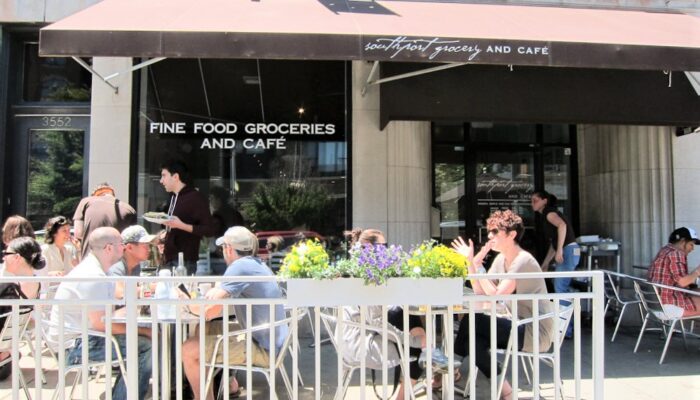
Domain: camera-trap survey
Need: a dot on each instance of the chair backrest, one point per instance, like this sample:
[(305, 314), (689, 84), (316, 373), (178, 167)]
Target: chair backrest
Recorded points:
[(565, 314), (651, 301), (22, 321), (611, 288)]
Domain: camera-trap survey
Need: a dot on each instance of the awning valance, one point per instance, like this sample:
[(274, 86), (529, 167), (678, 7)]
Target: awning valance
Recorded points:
[(417, 31)]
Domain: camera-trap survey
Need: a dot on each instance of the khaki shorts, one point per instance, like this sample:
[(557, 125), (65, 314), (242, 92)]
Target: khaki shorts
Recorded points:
[(236, 346)]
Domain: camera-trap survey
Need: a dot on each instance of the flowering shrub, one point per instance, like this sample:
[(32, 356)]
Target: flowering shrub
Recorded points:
[(377, 263), (432, 260), (307, 259)]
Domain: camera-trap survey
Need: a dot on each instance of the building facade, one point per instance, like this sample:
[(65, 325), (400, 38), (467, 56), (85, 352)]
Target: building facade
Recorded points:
[(427, 155)]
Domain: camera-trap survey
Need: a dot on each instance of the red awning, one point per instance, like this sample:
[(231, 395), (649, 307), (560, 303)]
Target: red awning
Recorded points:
[(383, 30)]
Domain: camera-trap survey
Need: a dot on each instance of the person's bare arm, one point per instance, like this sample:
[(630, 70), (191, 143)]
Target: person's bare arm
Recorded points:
[(560, 224), (689, 279)]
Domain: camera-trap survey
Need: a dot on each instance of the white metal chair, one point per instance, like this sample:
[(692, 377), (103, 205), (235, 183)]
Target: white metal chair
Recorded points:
[(562, 322), (667, 316), (564, 318), (70, 335), (330, 320), (612, 293), (266, 371), (6, 340)]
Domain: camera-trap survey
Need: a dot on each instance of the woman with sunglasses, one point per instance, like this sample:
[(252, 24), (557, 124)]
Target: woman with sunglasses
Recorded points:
[(505, 231), (22, 258), (60, 249)]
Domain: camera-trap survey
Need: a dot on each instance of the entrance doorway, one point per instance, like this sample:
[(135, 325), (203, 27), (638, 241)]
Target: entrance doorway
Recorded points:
[(47, 169), (481, 167)]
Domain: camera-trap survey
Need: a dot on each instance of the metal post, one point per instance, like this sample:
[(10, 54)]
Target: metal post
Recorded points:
[(598, 338), (132, 339)]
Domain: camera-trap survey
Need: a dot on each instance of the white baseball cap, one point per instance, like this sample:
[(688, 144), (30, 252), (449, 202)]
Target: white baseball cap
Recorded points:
[(239, 238)]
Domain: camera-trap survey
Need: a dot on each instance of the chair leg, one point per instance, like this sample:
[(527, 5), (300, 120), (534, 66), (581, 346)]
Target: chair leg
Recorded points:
[(525, 369), (78, 374), (641, 333), (23, 383), (287, 381), (619, 319), (668, 341), (685, 342)]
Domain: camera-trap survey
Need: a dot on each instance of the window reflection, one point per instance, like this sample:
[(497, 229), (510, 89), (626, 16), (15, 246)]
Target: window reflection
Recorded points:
[(53, 79), (297, 186)]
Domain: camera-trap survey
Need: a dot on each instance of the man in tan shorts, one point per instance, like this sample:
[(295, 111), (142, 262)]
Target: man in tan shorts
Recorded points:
[(238, 244)]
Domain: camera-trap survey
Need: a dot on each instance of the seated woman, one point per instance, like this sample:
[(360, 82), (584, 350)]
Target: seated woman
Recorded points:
[(353, 341), (505, 230), (59, 250), (22, 258)]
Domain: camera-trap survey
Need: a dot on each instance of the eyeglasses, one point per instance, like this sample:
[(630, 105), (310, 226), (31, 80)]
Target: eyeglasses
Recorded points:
[(7, 253)]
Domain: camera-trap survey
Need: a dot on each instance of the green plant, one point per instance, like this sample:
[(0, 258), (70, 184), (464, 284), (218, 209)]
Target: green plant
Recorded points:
[(307, 259), (432, 260)]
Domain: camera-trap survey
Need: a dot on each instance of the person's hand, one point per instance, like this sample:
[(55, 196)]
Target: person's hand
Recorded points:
[(174, 222), (461, 247), (479, 258), (559, 257), (216, 293)]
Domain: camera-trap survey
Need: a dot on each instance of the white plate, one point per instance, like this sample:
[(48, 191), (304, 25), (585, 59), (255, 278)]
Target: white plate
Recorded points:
[(156, 220)]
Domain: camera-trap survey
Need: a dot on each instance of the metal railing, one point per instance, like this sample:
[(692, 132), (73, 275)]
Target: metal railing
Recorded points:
[(132, 305)]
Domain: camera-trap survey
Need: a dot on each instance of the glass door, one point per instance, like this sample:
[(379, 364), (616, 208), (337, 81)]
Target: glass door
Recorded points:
[(49, 166)]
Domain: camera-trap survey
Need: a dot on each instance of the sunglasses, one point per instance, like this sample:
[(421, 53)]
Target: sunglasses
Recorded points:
[(493, 231), (7, 253)]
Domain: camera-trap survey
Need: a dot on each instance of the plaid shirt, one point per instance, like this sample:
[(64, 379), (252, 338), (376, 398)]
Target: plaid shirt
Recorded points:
[(668, 267)]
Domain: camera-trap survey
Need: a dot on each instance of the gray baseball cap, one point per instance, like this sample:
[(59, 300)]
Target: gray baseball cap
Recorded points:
[(136, 234)]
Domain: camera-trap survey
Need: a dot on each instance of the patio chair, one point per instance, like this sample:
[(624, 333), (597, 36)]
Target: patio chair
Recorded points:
[(612, 293), (70, 334), (330, 320), (266, 371), (666, 315), (6, 340), (564, 318)]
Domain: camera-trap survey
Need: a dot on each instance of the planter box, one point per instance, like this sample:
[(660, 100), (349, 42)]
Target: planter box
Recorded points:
[(353, 291)]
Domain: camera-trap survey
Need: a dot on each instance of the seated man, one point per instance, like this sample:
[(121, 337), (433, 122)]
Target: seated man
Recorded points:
[(138, 248), (670, 267), (106, 249), (238, 246)]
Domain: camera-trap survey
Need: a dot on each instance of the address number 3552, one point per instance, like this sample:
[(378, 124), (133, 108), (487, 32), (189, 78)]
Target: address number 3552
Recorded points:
[(56, 122)]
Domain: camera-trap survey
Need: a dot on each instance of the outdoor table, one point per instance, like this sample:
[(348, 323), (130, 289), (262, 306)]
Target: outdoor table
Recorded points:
[(165, 325)]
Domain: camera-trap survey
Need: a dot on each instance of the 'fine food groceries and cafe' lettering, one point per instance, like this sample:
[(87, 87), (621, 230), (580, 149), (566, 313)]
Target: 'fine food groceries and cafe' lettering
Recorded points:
[(229, 135), (438, 49)]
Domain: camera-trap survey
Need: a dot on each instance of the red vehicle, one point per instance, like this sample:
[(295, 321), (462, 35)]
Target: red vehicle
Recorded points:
[(290, 238)]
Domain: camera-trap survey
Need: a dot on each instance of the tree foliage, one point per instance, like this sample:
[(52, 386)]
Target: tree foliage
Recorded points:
[(287, 205), (55, 183)]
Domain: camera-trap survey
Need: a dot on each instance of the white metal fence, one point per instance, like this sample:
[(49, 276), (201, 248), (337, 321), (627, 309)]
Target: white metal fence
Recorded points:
[(162, 357)]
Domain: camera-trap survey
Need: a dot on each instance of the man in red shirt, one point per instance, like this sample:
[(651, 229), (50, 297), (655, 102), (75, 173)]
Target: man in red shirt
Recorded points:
[(670, 268)]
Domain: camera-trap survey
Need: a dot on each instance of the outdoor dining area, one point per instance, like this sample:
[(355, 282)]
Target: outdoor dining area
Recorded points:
[(428, 322)]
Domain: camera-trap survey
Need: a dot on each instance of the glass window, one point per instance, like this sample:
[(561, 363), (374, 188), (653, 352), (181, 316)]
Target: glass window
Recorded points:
[(445, 132), (54, 79), (556, 134), (55, 183), (449, 188), (270, 136), (488, 132)]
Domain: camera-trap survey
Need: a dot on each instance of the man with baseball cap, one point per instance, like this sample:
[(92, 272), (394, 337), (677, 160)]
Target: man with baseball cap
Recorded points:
[(238, 245), (670, 268), (137, 242)]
